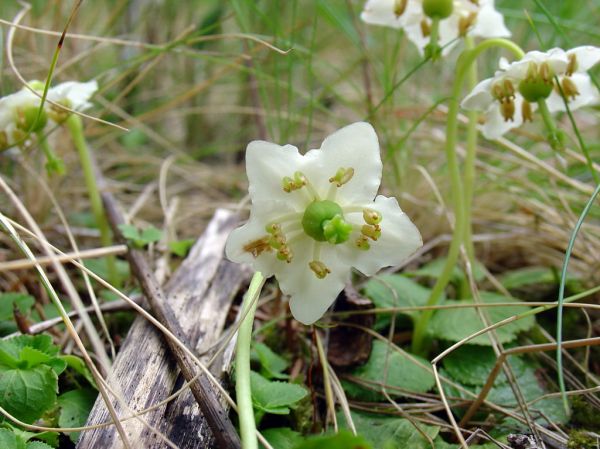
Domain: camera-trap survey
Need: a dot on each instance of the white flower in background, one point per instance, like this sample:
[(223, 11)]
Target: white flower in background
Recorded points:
[(313, 217), (18, 113), (71, 94), (477, 18), (510, 97), (575, 83)]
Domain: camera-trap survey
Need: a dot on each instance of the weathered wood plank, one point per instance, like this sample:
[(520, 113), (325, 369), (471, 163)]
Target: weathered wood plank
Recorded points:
[(199, 293)]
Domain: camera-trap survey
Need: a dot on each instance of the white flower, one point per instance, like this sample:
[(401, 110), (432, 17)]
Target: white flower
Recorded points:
[(73, 94), (313, 217), (17, 114), (510, 97), (476, 18)]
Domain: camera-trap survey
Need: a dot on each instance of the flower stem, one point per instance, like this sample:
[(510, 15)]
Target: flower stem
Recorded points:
[(466, 59), (54, 165), (242, 364), (75, 127), (554, 134)]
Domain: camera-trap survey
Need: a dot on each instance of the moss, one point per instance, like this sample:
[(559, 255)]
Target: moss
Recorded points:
[(581, 440), (584, 414)]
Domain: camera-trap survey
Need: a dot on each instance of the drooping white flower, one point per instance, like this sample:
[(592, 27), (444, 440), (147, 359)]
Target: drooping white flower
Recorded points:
[(18, 112), (477, 18), (72, 94), (510, 97), (315, 216)]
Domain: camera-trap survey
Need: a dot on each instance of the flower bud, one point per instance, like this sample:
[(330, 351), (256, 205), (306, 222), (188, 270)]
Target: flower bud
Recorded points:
[(27, 119), (438, 9)]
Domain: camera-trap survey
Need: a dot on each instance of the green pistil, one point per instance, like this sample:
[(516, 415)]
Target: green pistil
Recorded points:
[(27, 119), (324, 222)]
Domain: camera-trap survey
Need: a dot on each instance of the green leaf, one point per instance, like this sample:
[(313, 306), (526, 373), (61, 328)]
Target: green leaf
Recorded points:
[(402, 372), (441, 444), (343, 440), (181, 247), (8, 301), (271, 363), (37, 445), (28, 393), (151, 235), (75, 406), (34, 357), (8, 440), (471, 365), (130, 232), (77, 364), (434, 269), (528, 276), (457, 323), (394, 290), (143, 238), (274, 396), (100, 268), (281, 438), (390, 432)]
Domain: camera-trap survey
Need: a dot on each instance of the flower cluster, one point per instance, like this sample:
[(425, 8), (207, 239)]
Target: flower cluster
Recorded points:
[(315, 216), (512, 95), (457, 18), (19, 111)]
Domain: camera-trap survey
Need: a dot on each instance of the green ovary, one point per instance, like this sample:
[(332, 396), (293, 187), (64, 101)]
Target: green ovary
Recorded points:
[(533, 91), (324, 222)]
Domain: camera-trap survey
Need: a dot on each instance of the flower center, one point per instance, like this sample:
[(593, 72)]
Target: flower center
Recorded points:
[(438, 9), (324, 222), (538, 83), (27, 119)]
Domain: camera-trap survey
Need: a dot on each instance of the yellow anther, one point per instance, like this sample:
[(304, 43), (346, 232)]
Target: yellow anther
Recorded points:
[(546, 74), (371, 216), (257, 247), (507, 109), (425, 28), (526, 111), (273, 228), (371, 231), (400, 7), (572, 67), (532, 72), (285, 253), (277, 241), (3, 140), (509, 89), (342, 176), (362, 243), (288, 184), (319, 268), (466, 22), (569, 88)]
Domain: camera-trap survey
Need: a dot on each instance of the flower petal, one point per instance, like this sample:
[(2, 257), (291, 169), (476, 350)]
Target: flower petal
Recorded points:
[(77, 93), (354, 146), (495, 126), (267, 164), (489, 22), (399, 239), (309, 296), (262, 213), (587, 57), (588, 94), (555, 58), (480, 97), (381, 12)]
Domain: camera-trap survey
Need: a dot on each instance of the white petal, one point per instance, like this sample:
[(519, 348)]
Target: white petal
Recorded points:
[(587, 57), (489, 22), (77, 93), (399, 239), (555, 58), (354, 146), (495, 126), (588, 94), (449, 33), (310, 297), (381, 12), (267, 164), (262, 213), (480, 97)]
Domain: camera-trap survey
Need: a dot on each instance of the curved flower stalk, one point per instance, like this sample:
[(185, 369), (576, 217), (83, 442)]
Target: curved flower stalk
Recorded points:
[(477, 18), (313, 217), (511, 96)]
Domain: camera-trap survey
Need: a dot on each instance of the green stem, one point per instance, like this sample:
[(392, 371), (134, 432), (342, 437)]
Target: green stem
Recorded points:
[(470, 158), (75, 127), (433, 50), (554, 134), (53, 163), (465, 60), (242, 364)]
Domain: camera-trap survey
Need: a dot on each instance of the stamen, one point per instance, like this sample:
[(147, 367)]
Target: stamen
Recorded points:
[(285, 253), (526, 111), (569, 88), (465, 22), (371, 231), (507, 109), (400, 7), (296, 183), (425, 28), (371, 216), (257, 247), (362, 243), (546, 73), (342, 176), (572, 67), (319, 268)]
